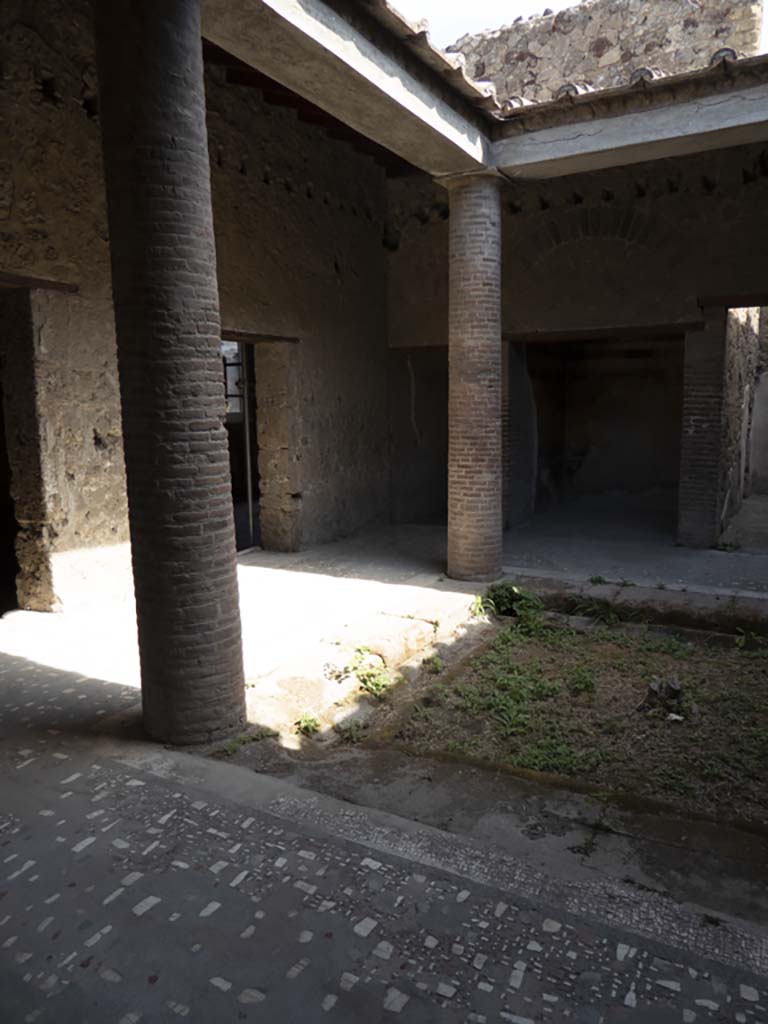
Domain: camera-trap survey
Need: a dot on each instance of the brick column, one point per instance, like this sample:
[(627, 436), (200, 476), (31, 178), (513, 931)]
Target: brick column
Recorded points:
[(475, 379), (168, 337), (701, 460)]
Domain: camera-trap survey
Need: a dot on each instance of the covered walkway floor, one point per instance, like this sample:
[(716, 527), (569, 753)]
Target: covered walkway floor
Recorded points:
[(304, 618), (633, 539), (306, 614)]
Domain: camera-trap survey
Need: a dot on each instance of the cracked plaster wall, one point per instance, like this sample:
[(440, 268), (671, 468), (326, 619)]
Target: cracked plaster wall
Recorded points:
[(601, 42), (53, 226)]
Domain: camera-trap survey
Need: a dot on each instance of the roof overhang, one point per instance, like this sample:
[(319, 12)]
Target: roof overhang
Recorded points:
[(332, 61), (715, 108), (715, 122)]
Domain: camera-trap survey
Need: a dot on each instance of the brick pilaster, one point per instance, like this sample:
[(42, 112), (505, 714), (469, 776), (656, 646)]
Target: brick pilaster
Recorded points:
[(168, 335), (699, 512), (475, 380)]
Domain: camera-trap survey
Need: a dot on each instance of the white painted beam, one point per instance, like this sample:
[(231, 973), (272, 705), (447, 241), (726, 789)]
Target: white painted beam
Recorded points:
[(712, 122), (309, 48)]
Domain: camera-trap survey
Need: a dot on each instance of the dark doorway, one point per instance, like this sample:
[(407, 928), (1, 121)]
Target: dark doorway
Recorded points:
[(9, 566), (238, 366), (609, 428)]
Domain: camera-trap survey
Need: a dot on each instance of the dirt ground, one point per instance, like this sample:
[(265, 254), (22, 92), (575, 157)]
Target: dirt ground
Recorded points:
[(544, 698)]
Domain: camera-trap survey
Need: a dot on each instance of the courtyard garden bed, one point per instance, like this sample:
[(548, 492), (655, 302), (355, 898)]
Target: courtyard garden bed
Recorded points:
[(644, 716)]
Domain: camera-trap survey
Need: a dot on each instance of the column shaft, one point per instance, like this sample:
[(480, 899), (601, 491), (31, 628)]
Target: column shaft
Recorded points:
[(475, 380), (168, 337)]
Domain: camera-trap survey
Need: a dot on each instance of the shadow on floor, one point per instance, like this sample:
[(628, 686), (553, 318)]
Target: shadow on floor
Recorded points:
[(38, 699)]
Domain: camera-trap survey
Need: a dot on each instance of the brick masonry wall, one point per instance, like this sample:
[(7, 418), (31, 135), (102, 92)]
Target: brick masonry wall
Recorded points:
[(720, 365), (702, 436), (600, 43)]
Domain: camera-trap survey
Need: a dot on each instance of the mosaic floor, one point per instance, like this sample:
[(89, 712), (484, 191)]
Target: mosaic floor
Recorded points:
[(129, 895)]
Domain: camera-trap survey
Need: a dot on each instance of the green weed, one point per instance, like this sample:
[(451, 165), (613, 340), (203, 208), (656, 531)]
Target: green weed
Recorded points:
[(351, 732), (580, 681), (507, 599), (374, 678), (669, 645), (307, 725), (747, 638), (232, 746)]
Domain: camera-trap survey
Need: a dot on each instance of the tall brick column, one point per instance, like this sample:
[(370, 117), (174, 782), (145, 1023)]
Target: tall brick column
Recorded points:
[(701, 461), (168, 337), (475, 379)]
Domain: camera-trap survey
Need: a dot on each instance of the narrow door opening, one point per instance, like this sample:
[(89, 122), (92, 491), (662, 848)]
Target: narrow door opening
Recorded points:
[(9, 527), (240, 391)]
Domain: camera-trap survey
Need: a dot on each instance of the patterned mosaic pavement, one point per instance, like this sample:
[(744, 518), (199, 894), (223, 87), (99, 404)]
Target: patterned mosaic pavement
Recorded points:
[(131, 895)]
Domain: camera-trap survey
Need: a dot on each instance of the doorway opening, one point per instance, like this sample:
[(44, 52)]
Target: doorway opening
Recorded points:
[(609, 431), (240, 392), (9, 527)]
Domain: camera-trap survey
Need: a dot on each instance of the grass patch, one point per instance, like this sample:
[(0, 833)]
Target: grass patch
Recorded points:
[(580, 680), (544, 698), (231, 747)]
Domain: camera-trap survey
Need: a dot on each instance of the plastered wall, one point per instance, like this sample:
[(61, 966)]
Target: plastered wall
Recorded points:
[(53, 226), (635, 246), (299, 221)]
